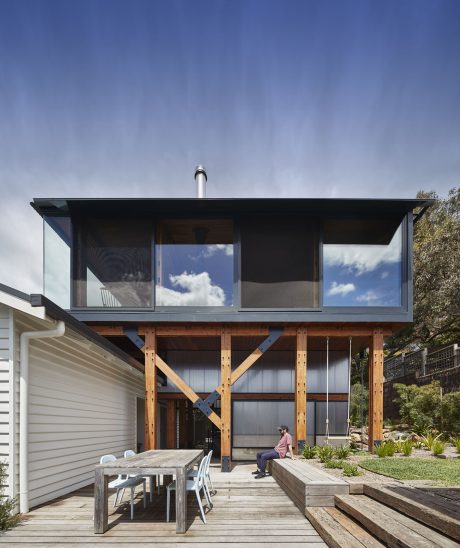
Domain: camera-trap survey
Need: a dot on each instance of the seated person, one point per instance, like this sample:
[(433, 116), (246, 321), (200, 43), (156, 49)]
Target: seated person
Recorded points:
[(279, 452)]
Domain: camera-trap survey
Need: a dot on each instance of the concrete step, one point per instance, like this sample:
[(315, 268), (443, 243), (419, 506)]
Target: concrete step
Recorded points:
[(390, 526), (338, 530), (430, 509)]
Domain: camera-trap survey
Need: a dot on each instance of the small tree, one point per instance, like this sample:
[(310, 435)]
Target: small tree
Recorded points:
[(7, 505)]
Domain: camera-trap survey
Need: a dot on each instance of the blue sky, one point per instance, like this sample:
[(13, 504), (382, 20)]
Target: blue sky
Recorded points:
[(275, 98)]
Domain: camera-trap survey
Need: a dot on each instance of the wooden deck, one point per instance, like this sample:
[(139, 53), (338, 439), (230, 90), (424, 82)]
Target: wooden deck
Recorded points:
[(247, 512)]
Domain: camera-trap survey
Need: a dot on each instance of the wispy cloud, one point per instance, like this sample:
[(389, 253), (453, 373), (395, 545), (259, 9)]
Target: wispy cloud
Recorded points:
[(192, 290), (341, 289), (370, 298)]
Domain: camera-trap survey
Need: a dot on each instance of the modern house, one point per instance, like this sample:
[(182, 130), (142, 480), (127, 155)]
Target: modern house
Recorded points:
[(244, 311)]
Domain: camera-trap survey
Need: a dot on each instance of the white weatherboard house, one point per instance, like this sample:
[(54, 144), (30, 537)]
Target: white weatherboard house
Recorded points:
[(67, 397)]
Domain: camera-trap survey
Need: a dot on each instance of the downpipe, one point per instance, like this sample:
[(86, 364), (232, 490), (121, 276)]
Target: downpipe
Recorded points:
[(25, 337)]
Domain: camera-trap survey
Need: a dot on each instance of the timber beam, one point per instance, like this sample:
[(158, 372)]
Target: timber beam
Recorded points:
[(314, 330)]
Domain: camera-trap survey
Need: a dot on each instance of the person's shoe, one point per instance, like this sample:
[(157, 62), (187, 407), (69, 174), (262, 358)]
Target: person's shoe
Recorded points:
[(260, 475), (255, 472)]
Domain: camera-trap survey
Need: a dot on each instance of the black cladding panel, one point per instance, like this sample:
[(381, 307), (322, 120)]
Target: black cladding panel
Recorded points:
[(279, 266)]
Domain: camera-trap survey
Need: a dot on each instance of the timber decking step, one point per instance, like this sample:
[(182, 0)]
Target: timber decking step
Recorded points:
[(430, 508), (338, 530), (390, 526)]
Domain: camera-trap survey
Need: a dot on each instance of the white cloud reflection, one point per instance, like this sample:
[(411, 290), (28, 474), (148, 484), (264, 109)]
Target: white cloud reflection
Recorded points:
[(341, 289), (192, 290)]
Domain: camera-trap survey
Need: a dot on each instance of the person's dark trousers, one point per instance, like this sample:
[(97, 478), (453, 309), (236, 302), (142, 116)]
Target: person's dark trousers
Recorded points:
[(264, 456)]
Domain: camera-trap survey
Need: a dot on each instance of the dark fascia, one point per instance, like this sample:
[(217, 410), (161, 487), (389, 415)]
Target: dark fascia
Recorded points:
[(225, 206), (57, 313)]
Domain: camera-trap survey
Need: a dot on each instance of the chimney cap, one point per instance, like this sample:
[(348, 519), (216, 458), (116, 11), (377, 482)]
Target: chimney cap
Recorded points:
[(201, 169)]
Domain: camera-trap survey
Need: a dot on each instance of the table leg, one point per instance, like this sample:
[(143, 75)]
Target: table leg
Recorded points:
[(181, 501), (100, 501)]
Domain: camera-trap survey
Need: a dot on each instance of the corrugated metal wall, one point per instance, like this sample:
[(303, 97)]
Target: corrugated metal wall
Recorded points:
[(82, 404)]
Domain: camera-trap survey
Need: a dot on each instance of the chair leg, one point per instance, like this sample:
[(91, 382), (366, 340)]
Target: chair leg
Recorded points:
[(208, 475), (207, 495), (168, 500), (158, 483), (122, 494), (116, 498), (144, 490), (198, 498), (132, 502), (151, 488)]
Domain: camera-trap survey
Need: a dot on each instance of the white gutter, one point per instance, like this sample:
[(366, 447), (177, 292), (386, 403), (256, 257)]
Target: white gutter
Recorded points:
[(58, 331)]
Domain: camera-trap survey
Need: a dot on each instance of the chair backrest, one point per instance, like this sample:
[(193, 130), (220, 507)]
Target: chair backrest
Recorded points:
[(208, 462), (107, 458), (129, 453), (201, 471)]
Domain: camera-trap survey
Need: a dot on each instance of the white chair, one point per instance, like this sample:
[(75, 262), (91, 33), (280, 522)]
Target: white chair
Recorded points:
[(207, 476), (197, 484), (124, 482), (131, 453)]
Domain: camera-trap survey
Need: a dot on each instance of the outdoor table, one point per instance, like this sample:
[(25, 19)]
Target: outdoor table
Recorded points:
[(169, 462)]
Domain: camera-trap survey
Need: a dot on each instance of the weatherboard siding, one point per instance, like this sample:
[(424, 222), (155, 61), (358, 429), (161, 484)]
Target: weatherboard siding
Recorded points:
[(6, 393), (82, 404)]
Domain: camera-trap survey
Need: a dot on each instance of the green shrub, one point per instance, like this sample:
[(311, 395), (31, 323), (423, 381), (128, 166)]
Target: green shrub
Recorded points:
[(334, 464), (350, 470), (406, 448), (439, 447), (456, 442), (359, 403), (381, 450), (423, 408), (325, 453), (429, 438), (342, 452), (390, 447), (7, 505), (309, 451)]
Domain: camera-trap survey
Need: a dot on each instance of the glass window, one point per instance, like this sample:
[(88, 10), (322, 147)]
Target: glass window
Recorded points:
[(113, 266), (194, 263), (57, 234), (279, 263), (362, 262)]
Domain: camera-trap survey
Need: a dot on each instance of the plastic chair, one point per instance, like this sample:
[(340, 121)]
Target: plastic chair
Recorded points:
[(207, 475), (124, 482), (131, 453), (197, 484)]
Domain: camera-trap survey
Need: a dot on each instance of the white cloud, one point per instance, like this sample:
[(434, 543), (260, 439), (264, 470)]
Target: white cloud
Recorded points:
[(214, 248), (370, 297), (341, 289), (363, 258), (197, 290)]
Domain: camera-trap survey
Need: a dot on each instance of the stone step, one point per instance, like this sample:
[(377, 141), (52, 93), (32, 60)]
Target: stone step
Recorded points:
[(390, 526), (338, 530), (427, 508)]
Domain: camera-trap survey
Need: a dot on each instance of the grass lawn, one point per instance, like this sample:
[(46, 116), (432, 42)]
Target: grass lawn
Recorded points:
[(445, 471)]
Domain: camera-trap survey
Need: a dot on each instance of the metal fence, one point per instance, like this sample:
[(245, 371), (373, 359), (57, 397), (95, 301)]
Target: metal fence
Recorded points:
[(422, 362)]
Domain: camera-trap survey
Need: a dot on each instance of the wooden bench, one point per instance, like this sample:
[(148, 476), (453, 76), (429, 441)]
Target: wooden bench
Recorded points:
[(305, 484)]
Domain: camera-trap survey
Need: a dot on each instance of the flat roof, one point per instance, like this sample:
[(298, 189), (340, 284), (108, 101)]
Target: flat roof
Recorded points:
[(225, 206)]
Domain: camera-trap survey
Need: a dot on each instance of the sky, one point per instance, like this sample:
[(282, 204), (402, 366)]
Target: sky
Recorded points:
[(276, 98)]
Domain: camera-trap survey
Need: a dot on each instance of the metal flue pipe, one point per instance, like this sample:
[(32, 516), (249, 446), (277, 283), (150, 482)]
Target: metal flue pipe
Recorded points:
[(200, 178)]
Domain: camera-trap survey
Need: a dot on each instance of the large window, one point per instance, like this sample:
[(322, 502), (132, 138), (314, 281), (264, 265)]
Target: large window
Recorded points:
[(362, 262), (113, 263), (279, 266), (57, 233), (194, 263)]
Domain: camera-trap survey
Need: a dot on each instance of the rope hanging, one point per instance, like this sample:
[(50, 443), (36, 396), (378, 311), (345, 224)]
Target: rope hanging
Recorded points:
[(327, 435)]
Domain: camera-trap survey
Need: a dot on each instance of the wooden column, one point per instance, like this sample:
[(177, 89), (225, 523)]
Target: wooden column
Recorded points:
[(170, 424), (182, 425), (151, 403), (301, 391), (226, 399), (375, 428)]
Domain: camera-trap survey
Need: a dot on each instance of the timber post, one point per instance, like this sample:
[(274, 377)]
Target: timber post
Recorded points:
[(151, 396), (375, 423), (226, 399), (300, 428)]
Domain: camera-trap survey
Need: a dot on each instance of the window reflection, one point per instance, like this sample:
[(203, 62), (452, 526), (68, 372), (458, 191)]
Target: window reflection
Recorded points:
[(56, 272), (363, 273), (194, 263)]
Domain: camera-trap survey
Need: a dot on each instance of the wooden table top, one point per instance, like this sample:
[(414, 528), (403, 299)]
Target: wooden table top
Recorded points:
[(158, 458)]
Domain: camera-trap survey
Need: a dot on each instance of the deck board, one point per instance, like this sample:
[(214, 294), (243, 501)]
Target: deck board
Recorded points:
[(246, 512)]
